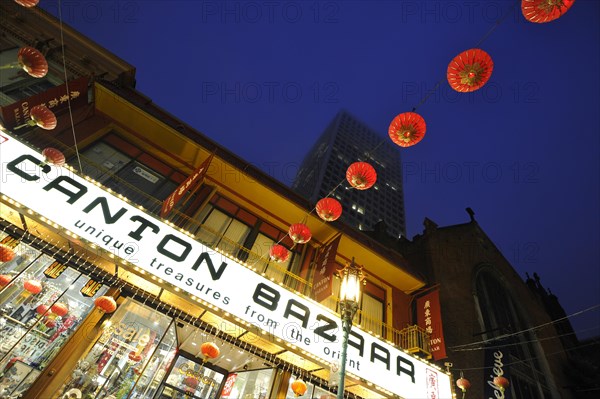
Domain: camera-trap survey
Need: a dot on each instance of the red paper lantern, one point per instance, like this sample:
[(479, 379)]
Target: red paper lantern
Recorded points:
[(5, 279), (191, 382), (135, 357), (329, 209), (27, 3), (50, 323), (299, 387), (209, 350), (279, 253), (6, 253), (54, 156), (33, 62), (300, 233), (501, 382), (32, 286), (541, 11), (407, 129), (42, 116), (470, 70), (59, 309), (463, 384), (106, 304), (41, 309), (361, 175)]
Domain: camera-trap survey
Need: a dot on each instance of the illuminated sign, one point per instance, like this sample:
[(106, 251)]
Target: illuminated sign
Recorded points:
[(163, 251)]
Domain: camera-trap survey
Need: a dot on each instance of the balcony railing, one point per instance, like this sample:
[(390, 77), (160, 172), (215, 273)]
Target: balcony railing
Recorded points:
[(413, 338)]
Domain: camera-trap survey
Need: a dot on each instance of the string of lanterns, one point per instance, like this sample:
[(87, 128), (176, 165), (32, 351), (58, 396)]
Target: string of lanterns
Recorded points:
[(467, 72)]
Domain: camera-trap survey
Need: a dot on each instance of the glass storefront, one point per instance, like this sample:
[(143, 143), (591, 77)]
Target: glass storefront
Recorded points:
[(42, 304), (138, 353), (191, 379), (255, 384), (312, 391), (130, 357)]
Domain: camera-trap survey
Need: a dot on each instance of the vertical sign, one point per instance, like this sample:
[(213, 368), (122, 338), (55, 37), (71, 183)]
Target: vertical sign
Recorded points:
[(55, 98), (494, 366), (228, 387), (54, 270), (432, 385), (172, 200), (323, 279), (90, 288), (429, 318)]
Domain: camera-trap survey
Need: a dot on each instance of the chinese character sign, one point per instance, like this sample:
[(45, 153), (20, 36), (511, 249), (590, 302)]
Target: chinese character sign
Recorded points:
[(56, 98), (429, 317), (323, 279)]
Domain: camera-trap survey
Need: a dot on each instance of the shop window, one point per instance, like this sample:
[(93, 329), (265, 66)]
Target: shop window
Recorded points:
[(35, 325), (223, 231), (191, 379), (129, 359), (371, 313), (131, 172), (255, 384), (279, 272), (312, 391)]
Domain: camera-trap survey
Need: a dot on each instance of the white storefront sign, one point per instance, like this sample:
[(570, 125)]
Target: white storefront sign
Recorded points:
[(159, 249)]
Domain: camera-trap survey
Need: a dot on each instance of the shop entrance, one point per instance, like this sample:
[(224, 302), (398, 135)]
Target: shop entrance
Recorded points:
[(143, 353), (235, 373)]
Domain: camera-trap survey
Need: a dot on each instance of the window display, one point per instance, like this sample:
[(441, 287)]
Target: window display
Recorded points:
[(192, 379), (41, 306), (312, 392), (255, 384), (130, 357)]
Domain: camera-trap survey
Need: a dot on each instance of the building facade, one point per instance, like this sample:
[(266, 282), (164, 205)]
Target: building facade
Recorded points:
[(494, 322), (203, 310), (344, 141)]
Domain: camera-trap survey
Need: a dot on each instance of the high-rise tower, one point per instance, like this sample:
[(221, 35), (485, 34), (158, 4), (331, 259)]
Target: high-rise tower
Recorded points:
[(347, 140)]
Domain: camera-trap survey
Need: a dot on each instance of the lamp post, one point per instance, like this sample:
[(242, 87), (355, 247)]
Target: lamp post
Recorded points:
[(352, 276)]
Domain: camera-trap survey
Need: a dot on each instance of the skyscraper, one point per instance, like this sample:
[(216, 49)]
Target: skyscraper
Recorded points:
[(323, 173)]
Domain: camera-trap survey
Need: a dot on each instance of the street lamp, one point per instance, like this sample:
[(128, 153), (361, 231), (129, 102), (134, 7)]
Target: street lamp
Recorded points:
[(352, 277)]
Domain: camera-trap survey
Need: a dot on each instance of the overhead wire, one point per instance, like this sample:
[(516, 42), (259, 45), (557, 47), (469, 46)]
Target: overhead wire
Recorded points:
[(504, 336), (369, 153), (522, 361), (528, 342), (64, 60)]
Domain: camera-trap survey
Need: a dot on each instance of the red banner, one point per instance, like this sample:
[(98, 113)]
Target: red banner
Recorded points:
[(429, 317), (229, 383), (323, 279), (55, 98), (172, 200)]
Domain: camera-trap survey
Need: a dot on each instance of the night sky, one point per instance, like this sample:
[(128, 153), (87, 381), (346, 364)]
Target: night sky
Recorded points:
[(264, 78)]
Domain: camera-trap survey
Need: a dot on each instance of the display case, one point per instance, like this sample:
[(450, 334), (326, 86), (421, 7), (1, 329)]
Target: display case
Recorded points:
[(130, 357), (191, 378), (252, 384), (40, 307)]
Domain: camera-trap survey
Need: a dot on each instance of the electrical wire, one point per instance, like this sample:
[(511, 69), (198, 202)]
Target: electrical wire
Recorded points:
[(520, 361), (525, 330), (528, 342), (64, 60), (421, 102)]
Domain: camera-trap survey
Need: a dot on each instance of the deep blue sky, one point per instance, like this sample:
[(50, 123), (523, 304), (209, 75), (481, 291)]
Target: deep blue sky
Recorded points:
[(264, 78)]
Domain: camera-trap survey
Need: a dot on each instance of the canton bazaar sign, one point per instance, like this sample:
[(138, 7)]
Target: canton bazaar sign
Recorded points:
[(159, 249)]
